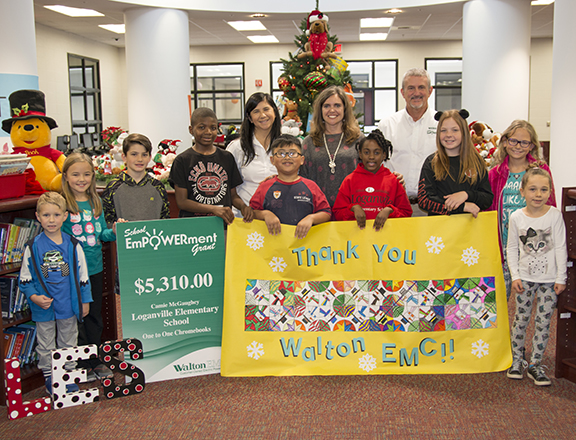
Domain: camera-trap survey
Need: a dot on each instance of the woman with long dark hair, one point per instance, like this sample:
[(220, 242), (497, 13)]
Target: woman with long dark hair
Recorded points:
[(261, 125)]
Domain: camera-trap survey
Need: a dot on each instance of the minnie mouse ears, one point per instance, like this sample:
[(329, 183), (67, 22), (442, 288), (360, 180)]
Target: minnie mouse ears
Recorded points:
[(463, 113)]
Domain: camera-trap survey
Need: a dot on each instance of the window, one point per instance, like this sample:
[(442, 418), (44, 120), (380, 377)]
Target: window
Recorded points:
[(446, 77), (85, 103), (374, 85), (219, 87)]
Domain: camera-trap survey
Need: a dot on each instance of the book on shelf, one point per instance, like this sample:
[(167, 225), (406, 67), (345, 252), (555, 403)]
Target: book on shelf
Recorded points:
[(8, 292), (23, 342), (8, 340), (14, 236)]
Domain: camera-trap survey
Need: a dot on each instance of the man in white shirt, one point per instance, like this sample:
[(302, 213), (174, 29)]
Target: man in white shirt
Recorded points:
[(412, 132)]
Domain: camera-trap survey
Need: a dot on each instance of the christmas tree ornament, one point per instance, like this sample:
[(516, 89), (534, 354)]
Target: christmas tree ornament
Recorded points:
[(283, 83), (315, 81)]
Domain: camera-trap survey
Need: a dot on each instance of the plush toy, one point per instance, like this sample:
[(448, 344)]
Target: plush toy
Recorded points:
[(484, 139), (291, 127), (291, 111), (30, 132), (318, 45)]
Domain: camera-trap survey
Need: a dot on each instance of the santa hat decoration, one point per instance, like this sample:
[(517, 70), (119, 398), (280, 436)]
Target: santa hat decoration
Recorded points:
[(315, 15)]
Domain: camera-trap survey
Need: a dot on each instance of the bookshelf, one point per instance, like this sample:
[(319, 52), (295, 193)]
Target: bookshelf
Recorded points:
[(31, 376), (566, 329)]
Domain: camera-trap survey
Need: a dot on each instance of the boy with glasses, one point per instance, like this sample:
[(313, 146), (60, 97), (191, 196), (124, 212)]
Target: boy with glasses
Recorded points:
[(288, 198)]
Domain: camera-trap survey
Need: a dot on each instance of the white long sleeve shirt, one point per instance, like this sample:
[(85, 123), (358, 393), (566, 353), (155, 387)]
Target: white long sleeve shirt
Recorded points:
[(412, 142)]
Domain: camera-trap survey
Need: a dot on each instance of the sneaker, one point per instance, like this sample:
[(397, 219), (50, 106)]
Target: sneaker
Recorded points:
[(72, 388), (90, 375), (517, 368), (103, 372), (48, 383), (536, 373)]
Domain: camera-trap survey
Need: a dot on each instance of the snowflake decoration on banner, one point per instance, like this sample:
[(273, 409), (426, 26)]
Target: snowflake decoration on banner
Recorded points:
[(367, 363), (470, 256), (435, 245), (255, 350), (278, 264), (255, 241), (480, 348)]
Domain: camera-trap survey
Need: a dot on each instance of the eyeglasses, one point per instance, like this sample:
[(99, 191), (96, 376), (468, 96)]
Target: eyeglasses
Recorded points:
[(513, 142), (290, 154)]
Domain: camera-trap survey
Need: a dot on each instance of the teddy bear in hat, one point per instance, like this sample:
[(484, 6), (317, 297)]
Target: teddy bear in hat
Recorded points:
[(30, 132), (318, 45)]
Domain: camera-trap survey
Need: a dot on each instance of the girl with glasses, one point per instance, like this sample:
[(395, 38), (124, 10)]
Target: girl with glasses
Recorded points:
[(518, 148)]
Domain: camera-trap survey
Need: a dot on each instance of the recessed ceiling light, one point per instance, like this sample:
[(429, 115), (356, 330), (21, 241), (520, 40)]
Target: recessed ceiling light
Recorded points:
[(394, 11), (74, 12), (373, 36), (541, 2), (263, 39), (381, 22), (253, 25), (258, 15), (118, 28)]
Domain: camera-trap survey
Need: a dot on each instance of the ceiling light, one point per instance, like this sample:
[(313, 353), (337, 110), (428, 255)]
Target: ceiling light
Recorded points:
[(258, 15), (74, 12), (382, 22), (380, 36), (253, 25), (394, 11), (118, 28), (263, 39), (541, 2)]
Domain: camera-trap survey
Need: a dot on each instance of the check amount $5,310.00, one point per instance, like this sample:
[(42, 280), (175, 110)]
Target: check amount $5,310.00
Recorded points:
[(174, 283)]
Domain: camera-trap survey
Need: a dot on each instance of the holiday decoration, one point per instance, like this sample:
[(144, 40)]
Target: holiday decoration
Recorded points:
[(110, 136), (327, 69), (291, 111), (315, 81), (318, 45), (30, 132), (484, 139)]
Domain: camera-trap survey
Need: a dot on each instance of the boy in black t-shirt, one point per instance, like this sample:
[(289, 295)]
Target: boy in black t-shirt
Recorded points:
[(289, 198), (205, 177)]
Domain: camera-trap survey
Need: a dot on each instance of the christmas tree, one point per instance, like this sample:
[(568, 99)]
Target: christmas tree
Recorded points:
[(312, 67)]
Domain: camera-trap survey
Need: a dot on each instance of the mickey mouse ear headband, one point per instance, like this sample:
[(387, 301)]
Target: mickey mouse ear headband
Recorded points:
[(463, 113)]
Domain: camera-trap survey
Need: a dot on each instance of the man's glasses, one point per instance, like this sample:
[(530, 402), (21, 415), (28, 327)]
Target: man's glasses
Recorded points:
[(290, 154), (513, 142)]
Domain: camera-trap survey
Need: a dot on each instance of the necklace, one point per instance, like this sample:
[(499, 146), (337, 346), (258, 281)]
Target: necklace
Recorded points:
[(332, 161)]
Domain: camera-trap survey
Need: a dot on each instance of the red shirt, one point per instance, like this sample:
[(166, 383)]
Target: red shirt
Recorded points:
[(373, 192)]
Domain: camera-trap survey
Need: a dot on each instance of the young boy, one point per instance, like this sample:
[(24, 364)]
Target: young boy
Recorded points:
[(289, 198), (54, 278), (133, 194), (205, 177)]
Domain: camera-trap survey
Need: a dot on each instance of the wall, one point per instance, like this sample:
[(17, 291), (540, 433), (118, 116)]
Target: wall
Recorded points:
[(53, 47)]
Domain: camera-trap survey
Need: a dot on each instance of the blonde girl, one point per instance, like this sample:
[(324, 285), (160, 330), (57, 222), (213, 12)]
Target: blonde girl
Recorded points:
[(517, 150), (86, 223), (454, 179)]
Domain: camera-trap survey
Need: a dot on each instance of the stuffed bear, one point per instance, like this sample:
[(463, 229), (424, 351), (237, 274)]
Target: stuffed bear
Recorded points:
[(30, 132), (318, 45), (291, 111), (484, 139)]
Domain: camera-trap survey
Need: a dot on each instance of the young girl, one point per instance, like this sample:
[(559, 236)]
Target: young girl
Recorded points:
[(86, 222), (371, 191), (517, 149), (537, 259), (454, 180)]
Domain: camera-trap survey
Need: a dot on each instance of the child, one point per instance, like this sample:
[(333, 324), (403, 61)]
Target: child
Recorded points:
[(537, 259), (517, 149), (86, 223), (372, 191), (54, 278), (133, 194), (205, 177), (454, 180), (289, 198)]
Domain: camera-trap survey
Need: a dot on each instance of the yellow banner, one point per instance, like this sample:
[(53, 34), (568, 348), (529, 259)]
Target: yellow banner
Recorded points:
[(423, 295)]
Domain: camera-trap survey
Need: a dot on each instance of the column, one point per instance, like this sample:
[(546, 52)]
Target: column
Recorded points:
[(18, 67), (562, 149), (496, 61), (158, 72)]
